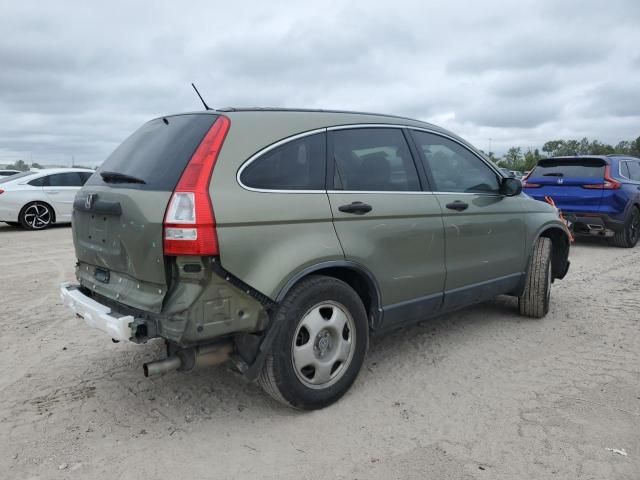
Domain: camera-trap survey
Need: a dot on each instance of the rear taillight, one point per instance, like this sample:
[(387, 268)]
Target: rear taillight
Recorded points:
[(608, 184), (189, 223), (1, 191)]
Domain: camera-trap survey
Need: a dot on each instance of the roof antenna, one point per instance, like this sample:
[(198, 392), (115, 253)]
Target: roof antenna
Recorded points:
[(206, 107)]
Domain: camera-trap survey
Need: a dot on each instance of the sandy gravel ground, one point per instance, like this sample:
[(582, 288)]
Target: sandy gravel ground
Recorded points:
[(479, 394)]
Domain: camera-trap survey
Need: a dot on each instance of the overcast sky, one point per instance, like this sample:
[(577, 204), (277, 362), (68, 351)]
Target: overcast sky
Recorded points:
[(77, 77)]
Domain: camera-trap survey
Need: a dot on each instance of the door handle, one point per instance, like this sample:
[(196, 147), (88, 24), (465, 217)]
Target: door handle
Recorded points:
[(52, 192), (457, 205), (358, 208)]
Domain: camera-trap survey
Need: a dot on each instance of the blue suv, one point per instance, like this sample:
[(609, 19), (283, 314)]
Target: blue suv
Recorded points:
[(599, 195)]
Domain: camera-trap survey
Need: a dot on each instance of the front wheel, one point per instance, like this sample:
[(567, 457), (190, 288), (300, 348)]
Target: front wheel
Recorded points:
[(320, 346), (535, 300), (36, 216), (629, 235)]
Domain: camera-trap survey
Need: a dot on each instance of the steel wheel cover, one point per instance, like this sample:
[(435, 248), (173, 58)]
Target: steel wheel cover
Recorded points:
[(323, 345)]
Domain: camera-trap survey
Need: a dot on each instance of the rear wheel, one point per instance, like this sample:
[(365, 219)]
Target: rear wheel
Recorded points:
[(36, 216), (535, 300), (320, 346), (629, 235)]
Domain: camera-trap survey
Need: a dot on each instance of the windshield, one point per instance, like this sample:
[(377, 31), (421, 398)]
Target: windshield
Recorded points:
[(15, 177)]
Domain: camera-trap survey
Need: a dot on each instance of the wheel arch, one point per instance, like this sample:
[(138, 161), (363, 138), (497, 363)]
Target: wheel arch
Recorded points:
[(560, 243), (53, 210), (353, 274)]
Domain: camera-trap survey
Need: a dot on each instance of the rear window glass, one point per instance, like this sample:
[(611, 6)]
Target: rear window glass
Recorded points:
[(16, 177), (39, 182), (580, 167), (157, 152), (296, 165)]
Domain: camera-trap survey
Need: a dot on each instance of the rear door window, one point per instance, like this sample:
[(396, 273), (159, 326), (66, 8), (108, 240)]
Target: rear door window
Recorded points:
[(455, 168), (71, 179), (84, 176), (39, 182), (296, 165), (592, 168), (624, 169), (157, 152), (634, 170), (373, 159)]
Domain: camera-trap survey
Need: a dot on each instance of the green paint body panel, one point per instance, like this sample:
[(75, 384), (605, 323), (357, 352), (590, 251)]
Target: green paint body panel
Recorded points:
[(410, 243), (485, 241), (129, 246), (401, 241)]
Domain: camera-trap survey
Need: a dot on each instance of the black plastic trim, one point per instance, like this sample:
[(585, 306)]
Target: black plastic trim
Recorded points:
[(219, 270), (333, 264), (98, 206), (411, 311), (479, 292)]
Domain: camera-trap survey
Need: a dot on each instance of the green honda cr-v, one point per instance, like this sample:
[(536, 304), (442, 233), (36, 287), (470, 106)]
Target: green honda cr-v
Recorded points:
[(282, 239)]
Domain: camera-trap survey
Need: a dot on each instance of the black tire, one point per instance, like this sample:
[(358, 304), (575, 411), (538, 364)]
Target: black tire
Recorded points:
[(289, 384), (36, 216), (629, 235), (534, 302)]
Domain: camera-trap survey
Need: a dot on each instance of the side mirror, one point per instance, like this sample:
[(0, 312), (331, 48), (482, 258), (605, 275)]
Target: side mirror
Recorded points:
[(510, 187)]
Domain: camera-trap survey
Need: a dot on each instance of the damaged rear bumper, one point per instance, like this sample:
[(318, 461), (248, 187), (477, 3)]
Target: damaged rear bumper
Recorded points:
[(95, 314)]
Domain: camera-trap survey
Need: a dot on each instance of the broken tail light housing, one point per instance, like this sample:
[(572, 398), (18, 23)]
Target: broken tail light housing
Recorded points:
[(189, 223)]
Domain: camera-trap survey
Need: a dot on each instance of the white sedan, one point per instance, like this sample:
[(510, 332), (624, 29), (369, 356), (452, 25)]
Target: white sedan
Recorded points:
[(37, 199)]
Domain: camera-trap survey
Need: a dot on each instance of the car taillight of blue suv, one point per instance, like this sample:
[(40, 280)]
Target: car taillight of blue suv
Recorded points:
[(599, 195)]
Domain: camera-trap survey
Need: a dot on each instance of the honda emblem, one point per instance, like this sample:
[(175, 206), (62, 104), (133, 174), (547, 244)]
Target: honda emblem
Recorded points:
[(88, 202)]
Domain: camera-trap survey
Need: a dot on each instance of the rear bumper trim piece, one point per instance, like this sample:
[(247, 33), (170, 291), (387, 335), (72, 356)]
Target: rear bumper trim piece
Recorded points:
[(95, 314), (593, 223)]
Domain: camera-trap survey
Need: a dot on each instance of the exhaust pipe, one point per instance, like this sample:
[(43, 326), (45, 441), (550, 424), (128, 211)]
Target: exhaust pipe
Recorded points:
[(595, 228), (161, 366), (190, 358)]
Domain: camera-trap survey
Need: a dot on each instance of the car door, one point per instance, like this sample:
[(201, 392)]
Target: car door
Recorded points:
[(484, 230), (385, 221), (61, 189)]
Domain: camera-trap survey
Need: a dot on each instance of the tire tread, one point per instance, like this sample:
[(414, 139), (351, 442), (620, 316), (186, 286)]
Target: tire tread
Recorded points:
[(269, 379), (621, 239), (533, 302)]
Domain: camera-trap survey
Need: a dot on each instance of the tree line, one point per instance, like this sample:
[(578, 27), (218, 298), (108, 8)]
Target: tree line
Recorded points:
[(22, 166), (516, 159)]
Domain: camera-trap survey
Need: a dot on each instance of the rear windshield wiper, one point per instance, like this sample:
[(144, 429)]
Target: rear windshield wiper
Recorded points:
[(555, 174), (115, 177)]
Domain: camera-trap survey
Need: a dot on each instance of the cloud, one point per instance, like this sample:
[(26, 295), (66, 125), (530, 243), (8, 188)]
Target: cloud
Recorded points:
[(76, 78), (533, 51), (614, 99)]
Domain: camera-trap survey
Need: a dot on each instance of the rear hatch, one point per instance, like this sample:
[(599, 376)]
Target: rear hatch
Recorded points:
[(118, 215), (574, 184)]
